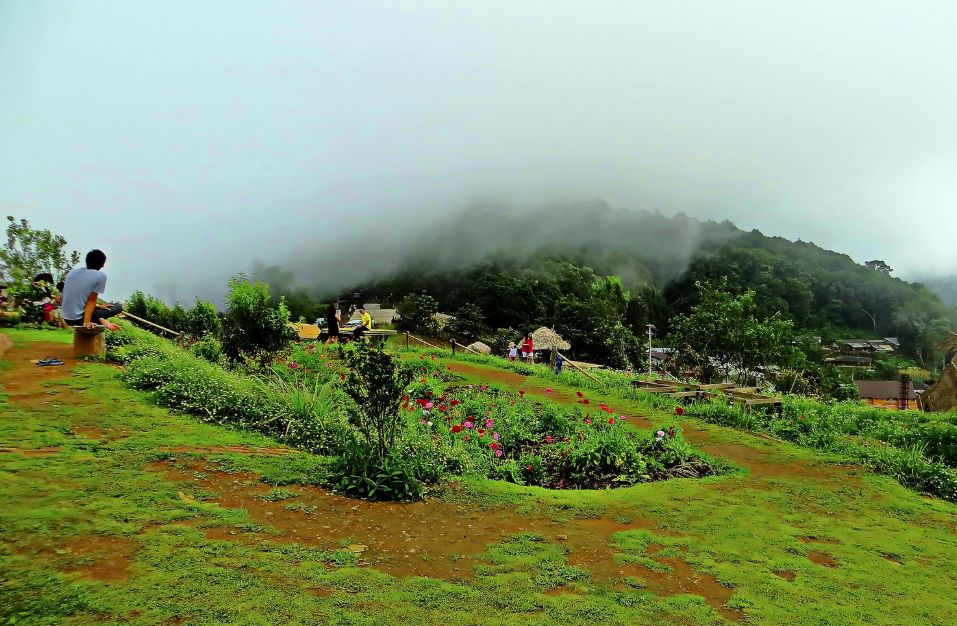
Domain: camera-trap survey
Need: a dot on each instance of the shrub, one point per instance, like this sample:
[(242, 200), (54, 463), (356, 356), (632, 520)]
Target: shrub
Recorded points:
[(202, 320), (504, 336), (417, 313), (254, 328), (468, 321), (375, 383)]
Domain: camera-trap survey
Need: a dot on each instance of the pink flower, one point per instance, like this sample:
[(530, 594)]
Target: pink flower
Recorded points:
[(495, 436), (660, 433), (293, 365), (587, 421), (429, 405), (489, 423), (484, 387), (468, 424), (498, 453), (548, 439), (548, 389)]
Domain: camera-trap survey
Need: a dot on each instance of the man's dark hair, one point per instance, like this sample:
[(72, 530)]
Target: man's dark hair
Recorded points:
[(95, 260), (43, 277), (59, 286)]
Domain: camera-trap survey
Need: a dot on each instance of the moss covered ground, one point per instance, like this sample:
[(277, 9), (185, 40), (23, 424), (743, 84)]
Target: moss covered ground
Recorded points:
[(114, 511)]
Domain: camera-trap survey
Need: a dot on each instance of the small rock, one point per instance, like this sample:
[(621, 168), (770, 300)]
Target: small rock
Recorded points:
[(562, 537), (358, 547)]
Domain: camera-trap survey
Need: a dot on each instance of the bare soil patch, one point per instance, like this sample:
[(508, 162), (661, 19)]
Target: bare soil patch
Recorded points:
[(435, 539), (822, 559), (25, 382), (786, 575)]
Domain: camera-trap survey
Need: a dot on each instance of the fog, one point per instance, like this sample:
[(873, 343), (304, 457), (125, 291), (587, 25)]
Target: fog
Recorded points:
[(191, 139)]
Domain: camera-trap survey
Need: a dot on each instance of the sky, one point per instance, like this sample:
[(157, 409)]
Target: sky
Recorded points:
[(189, 139)]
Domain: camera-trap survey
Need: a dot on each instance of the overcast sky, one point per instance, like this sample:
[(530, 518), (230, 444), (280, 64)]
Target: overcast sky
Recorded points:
[(189, 138)]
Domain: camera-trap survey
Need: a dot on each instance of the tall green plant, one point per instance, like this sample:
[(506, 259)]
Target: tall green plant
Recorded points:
[(255, 326), (29, 251), (375, 383)]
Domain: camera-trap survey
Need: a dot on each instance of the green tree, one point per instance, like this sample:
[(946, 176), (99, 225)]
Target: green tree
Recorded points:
[(255, 327), (375, 383), (29, 251), (202, 320), (417, 311), (723, 332), (468, 321)]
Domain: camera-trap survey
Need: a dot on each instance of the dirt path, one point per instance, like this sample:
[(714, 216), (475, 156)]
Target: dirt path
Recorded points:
[(25, 382)]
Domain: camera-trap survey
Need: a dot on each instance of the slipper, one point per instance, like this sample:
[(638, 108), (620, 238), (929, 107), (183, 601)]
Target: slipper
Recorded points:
[(49, 362)]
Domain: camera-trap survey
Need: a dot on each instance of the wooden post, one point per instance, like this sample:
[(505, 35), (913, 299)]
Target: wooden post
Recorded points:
[(89, 342), (406, 340), (572, 363)]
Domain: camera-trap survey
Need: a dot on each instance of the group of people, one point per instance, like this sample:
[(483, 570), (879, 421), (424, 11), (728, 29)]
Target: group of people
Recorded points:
[(74, 301), (333, 316), (527, 348)]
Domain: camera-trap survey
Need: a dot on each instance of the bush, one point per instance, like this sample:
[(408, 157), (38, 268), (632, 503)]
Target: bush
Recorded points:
[(504, 336), (202, 320), (468, 321), (417, 313), (255, 329)]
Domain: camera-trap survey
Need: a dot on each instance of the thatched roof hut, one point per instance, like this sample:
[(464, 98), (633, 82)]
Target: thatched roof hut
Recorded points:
[(547, 339)]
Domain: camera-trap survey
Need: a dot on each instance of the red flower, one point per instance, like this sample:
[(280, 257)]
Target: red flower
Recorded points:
[(579, 394), (548, 439), (442, 407), (585, 401), (801, 418), (493, 446), (454, 402), (425, 369), (457, 428), (679, 411), (465, 437), (342, 376), (481, 432), (528, 469), (611, 420), (422, 380), (521, 392)]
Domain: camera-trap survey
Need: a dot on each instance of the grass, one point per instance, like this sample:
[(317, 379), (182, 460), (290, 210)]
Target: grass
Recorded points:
[(184, 565)]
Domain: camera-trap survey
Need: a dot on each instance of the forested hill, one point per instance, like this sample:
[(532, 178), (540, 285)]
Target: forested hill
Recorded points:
[(944, 286), (551, 267)]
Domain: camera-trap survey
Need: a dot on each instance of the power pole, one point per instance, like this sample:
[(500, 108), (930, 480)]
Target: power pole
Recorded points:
[(650, 328)]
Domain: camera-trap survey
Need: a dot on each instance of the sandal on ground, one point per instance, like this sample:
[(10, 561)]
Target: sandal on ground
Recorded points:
[(49, 362)]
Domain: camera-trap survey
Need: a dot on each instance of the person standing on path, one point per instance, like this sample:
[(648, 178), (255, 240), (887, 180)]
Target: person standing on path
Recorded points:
[(332, 323), (81, 289), (528, 349)]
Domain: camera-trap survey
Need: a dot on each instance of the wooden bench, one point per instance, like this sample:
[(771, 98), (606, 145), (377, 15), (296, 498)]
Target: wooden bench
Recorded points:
[(89, 342)]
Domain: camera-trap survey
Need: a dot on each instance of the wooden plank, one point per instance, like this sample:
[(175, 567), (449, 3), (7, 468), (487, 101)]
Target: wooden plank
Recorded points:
[(683, 394)]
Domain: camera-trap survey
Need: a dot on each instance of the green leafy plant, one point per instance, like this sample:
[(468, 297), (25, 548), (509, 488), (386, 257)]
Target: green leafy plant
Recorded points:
[(255, 328)]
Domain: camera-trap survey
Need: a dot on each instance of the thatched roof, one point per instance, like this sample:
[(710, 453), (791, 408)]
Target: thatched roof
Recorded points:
[(480, 347), (545, 339)]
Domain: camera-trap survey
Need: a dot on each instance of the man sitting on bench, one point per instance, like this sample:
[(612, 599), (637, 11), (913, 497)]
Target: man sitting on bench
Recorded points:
[(365, 324), (82, 287)]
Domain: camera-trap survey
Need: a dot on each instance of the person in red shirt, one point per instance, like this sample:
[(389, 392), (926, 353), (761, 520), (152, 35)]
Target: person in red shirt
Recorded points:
[(528, 349)]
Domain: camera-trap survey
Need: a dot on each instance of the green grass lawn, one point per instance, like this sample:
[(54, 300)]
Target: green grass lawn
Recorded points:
[(114, 511)]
